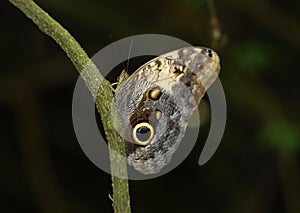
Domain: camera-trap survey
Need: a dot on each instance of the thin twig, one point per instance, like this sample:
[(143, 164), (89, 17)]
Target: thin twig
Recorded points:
[(216, 32), (92, 78)]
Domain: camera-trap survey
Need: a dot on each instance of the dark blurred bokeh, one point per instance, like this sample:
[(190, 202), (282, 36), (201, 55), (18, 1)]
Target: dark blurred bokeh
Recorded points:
[(256, 167)]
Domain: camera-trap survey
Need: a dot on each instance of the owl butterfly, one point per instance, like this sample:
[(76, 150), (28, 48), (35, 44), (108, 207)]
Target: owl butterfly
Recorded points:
[(154, 104)]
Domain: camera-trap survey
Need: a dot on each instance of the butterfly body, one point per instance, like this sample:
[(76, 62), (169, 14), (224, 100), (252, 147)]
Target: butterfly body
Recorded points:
[(154, 104)]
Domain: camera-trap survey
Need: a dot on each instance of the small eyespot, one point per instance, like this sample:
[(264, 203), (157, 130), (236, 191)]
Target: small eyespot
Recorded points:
[(210, 53), (207, 52), (157, 114), (154, 94), (142, 133)]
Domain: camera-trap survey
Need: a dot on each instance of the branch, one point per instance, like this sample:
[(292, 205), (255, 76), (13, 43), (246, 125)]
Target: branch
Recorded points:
[(92, 78)]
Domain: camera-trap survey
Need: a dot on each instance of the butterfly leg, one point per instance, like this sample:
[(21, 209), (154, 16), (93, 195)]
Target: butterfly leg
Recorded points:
[(122, 77)]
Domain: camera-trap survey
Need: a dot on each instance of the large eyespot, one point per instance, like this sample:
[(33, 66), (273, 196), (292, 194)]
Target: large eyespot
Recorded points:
[(142, 133), (154, 93)]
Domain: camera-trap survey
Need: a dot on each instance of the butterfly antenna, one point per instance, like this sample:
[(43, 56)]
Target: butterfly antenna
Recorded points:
[(116, 50), (129, 53)]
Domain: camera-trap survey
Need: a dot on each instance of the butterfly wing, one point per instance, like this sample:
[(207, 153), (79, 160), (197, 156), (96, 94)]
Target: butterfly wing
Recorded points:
[(154, 104)]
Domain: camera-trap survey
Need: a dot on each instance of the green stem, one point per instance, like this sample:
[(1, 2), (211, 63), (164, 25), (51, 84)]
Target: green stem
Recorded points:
[(95, 82)]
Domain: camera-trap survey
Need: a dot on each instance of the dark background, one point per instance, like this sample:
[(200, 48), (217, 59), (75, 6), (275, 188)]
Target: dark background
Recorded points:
[(256, 167)]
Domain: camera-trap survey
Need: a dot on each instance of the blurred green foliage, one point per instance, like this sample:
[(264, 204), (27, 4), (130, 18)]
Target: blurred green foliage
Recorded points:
[(283, 137), (253, 57)]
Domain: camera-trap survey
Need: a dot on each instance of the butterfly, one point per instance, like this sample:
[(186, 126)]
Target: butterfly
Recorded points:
[(154, 104)]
